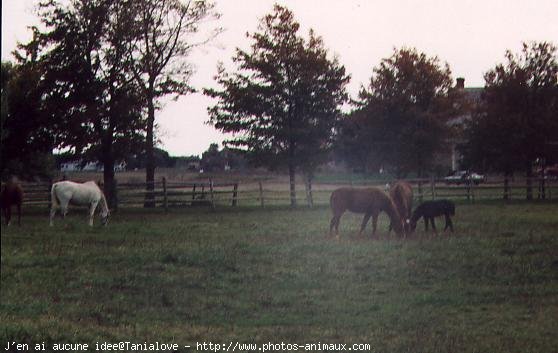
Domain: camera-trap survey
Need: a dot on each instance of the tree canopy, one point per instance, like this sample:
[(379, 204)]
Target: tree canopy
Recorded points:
[(86, 86), (401, 117), (284, 98), (517, 121), (26, 132), (162, 40)]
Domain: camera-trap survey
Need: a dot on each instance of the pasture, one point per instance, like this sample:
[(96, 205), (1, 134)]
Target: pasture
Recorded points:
[(253, 275)]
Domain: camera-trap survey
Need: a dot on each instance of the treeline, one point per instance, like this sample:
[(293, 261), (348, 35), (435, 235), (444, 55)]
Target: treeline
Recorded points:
[(91, 80), (212, 160)]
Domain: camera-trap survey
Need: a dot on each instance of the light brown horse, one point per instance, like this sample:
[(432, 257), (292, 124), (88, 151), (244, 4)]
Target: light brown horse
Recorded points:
[(370, 201), (402, 195), (11, 194)]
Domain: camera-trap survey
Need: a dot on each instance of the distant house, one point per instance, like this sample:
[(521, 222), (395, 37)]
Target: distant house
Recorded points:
[(472, 98), (77, 165), (190, 163)]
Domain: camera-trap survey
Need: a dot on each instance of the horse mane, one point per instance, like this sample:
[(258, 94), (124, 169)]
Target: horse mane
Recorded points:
[(402, 194), (391, 210)]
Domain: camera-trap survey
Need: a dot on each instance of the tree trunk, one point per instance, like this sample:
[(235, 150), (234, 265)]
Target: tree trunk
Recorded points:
[(506, 187), (149, 156), (292, 184), (108, 165), (292, 171), (529, 182), (308, 186), (110, 184)]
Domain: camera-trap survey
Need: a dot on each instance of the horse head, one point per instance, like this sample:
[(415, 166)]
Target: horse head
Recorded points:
[(398, 226), (105, 217), (412, 225)]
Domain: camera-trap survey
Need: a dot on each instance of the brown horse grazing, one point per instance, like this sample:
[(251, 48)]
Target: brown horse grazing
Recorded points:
[(12, 194), (402, 195), (370, 201)]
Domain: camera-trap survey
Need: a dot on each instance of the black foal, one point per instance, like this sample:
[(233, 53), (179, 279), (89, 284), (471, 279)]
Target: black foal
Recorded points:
[(430, 209)]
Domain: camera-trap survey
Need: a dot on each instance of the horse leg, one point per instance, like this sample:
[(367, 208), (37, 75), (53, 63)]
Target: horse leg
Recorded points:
[(52, 214), (434, 226), (64, 208), (92, 212), (334, 222), (364, 222), (8, 215), (374, 222), (426, 220), (449, 223), (19, 214)]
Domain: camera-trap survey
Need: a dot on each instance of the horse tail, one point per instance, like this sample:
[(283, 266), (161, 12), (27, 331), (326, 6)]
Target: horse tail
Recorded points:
[(54, 197)]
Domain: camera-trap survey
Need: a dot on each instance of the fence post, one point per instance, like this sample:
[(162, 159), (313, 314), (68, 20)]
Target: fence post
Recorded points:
[(115, 194), (529, 195), (235, 194), (468, 183), (309, 198), (211, 193), (433, 187), (261, 194), (420, 190), (165, 200)]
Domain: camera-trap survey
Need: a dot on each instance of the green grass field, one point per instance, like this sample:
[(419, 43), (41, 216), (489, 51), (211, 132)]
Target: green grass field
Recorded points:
[(253, 275)]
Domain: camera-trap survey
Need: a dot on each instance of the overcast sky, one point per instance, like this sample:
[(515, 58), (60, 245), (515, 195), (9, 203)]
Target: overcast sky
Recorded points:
[(471, 35)]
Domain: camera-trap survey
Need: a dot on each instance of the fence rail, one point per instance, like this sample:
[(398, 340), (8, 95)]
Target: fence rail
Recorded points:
[(167, 194)]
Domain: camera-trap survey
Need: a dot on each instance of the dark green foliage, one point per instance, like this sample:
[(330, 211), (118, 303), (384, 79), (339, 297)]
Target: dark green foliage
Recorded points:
[(86, 85), (401, 118), (26, 131), (139, 161), (284, 99), (215, 160), (517, 122)]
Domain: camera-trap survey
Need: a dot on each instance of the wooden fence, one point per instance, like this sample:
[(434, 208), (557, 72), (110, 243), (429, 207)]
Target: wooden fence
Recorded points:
[(169, 194)]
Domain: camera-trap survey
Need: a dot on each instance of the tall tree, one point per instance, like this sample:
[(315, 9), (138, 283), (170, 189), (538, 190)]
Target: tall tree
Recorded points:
[(86, 83), (26, 132), (164, 36), (517, 122), (403, 112), (284, 99)]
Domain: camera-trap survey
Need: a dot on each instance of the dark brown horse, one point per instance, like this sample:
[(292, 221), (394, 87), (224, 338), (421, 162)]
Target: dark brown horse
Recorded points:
[(402, 195), (12, 194), (370, 201)]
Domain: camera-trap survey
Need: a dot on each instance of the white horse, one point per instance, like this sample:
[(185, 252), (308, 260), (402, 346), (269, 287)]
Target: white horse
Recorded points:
[(88, 193)]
